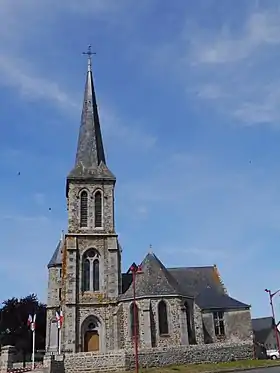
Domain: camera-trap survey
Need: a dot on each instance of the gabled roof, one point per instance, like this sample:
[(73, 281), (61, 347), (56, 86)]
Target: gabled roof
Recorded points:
[(261, 323), (210, 299), (194, 280), (262, 327), (154, 280), (57, 255), (202, 283), (261, 336)]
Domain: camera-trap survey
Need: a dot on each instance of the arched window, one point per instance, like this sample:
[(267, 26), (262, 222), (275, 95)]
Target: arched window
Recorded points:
[(189, 324), (86, 274), (95, 275), (162, 318), (91, 270), (134, 320), (84, 209), (98, 210)]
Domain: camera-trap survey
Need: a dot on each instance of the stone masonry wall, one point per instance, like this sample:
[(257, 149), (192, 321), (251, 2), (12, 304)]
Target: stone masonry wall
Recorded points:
[(149, 323), (94, 362), (174, 330), (192, 354), (100, 303), (198, 324), (91, 362), (238, 326), (107, 190)]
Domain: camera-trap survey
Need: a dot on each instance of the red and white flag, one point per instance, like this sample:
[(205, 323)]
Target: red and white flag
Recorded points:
[(31, 322), (59, 318)]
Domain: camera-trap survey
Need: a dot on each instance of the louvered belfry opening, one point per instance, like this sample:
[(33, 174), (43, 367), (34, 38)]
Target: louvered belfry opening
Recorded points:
[(84, 209), (98, 210)]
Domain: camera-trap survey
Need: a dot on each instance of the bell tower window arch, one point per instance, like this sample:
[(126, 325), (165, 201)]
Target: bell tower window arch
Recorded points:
[(84, 209), (98, 209)]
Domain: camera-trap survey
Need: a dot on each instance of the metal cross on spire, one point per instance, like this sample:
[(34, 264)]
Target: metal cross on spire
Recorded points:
[(89, 53)]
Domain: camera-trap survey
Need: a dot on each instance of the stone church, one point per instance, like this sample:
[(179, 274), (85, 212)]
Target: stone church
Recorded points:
[(182, 306)]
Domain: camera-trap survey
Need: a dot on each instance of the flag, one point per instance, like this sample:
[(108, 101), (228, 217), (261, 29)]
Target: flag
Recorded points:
[(59, 318), (31, 322)]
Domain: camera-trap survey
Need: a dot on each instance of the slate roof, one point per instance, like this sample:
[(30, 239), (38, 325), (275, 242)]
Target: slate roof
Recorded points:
[(201, 283), (209, 299), (261, 323), (261, 336), (57, 255), (154, 279), (195, 279), (262, 327), (90, 160)]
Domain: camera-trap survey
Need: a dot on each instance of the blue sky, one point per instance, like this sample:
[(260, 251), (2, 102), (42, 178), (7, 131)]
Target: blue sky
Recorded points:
[(189, 99)]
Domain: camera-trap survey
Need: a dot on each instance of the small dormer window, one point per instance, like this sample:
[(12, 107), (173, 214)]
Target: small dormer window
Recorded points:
[(84, 209)]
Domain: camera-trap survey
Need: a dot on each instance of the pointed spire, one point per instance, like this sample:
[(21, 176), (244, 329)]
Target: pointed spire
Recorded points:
[(90, 151), (90, 156)]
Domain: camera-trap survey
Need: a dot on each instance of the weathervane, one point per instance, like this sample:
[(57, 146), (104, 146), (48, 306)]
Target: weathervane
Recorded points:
[(89, 53)]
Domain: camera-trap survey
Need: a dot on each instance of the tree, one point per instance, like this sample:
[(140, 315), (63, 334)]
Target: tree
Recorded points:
[(13, 323)]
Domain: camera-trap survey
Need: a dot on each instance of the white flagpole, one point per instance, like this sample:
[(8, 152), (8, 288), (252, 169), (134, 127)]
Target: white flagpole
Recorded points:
[(33, 348), (59, 339)]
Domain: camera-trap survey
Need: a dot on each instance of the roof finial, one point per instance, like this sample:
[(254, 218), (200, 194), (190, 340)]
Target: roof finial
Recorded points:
[(150, 247), (89, 53)]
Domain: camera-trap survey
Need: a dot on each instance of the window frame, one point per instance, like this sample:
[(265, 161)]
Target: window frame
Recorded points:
[(84, 207), (98, 214), (163, 324), (219, 323), (91, 256)]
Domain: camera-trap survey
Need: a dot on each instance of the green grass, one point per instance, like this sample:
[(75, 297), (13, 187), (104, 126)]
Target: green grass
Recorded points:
[(212, 367)]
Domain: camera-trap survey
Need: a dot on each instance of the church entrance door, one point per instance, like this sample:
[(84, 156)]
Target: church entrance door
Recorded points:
[(91, 341)]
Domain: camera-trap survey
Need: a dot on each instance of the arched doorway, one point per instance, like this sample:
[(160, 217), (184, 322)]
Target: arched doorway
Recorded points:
[(91, 334)]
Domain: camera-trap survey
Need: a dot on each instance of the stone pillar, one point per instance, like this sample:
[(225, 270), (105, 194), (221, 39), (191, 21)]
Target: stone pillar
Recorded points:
[(198, 324), (7, 358), (112, 268), (116, 331), (69, 329), (183, 326), (147, 337)]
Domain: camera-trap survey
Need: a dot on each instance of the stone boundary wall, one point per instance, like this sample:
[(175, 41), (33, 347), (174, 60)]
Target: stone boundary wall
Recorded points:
[(91, 362), (209, 353), (95, 362)]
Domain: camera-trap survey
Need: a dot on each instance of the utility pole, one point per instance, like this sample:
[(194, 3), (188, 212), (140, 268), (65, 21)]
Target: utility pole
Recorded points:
[(135, 269), (271, 295)]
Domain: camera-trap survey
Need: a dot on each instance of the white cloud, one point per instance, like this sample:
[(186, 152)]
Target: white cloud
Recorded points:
[(262, 28), (15, 73), (209, 91), (115, 127), (236, 70)]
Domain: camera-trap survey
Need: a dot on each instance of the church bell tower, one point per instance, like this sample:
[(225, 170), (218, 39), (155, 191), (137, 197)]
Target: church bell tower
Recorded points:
[(91, 256)]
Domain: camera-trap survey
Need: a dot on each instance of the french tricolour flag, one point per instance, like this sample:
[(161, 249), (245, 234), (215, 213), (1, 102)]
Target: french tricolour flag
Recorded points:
[(31, 322), (59, 318)]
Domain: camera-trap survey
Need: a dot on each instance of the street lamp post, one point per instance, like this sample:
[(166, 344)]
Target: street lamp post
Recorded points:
[(135, 269), (271, 295)]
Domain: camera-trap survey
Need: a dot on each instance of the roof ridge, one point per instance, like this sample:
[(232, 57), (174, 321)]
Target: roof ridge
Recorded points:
[(192, 267)]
